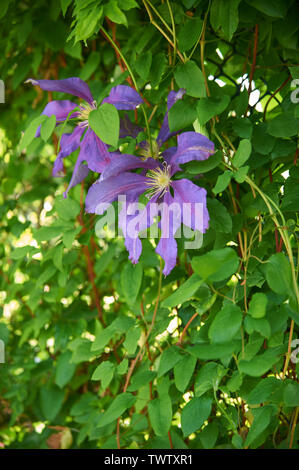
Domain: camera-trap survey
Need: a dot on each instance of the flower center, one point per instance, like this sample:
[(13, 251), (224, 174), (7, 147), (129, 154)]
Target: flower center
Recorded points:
[(160, 179), (83, 113), (145, 152)]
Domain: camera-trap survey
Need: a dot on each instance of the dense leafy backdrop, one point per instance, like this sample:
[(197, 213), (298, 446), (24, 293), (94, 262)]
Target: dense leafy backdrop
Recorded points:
[(97, 353)]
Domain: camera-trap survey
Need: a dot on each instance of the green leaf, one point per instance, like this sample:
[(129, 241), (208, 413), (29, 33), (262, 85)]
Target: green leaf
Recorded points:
[(104, 372), (119, 405), (131, 278), (291, 394), (104, 121), (183, 372), (208, 436), (64, 369), (64, 5), (259, 364), (189, 33), (261, 141), (231, 317), (220, 219), (284, 125), (268, 389), (190, 77), (209, 377), (182, 114), (257, 305), (30, 132), (278, 274), (132, 338), (224, 17), (216, 265), (114, 13), (170, 357), (48, 127), (67, 208), (241, 174), (243, 153), (243, 128), (222, 182), (262, 417), (185, 292), (143, 64), (275, 9), (210, 107), (194, 414), (208, 351), (51, 400), (140, 379), (196, 167), (160, 414)]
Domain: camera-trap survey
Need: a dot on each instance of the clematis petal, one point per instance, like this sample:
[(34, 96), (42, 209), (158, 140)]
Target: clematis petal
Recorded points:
[(124, 162), (126, 184), (165, 133), (60, 109), (94, 152), (68, 144), (127, 128), (80, 172), (170, 222), (192, 146), (123, 97), (193, 204), (74, 85)]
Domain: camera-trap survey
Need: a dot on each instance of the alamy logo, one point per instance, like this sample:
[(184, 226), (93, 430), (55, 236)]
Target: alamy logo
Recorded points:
[(2, 352), (295, 93), (295, 353), (2, 92)]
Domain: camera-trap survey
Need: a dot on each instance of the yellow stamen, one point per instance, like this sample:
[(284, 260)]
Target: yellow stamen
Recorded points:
[(83, 114), (145, 152), (160, 179)]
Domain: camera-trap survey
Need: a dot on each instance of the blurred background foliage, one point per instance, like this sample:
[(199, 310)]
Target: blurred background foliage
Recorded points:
[(86, 366)]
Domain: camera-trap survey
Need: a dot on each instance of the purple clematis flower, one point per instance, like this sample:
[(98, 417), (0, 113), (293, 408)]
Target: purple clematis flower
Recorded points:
[(92, 149), (177, 201)]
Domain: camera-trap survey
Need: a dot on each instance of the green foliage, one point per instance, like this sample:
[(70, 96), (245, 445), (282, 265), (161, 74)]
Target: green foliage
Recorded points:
[(111, 351)]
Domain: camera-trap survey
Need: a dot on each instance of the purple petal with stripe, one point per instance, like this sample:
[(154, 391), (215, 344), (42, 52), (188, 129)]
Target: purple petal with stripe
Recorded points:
[(80, 172), (94, 152), (193, 204), (130, 185), (165, 133), (60, 109), (125, 162), (68, 144), (170, 222), (74, 85), (192, 146), (123, 97)]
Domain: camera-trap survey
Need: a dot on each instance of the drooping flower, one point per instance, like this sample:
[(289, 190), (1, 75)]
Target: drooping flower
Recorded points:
[(177, 201), (92, 150)]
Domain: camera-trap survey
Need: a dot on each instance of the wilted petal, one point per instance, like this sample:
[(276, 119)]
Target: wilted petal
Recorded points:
[(130, 185), (74, 85), (123, 97), (193, 203), (68, 144), (165, 133), (124, 162), (192, 146)]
